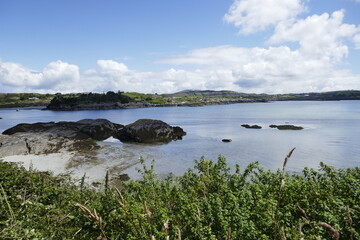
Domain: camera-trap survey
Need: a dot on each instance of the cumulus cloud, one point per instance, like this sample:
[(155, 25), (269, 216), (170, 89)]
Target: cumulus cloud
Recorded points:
[(60, 72), (356, 40), (272, 70), (112, 66), (15, 77), (256, 15), (320, 35)]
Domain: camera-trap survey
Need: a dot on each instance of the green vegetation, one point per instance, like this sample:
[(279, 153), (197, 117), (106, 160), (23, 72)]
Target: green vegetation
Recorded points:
[(88, 98), (324, 96), (150, 98), (208, 202), (183, 97), (24, 99)]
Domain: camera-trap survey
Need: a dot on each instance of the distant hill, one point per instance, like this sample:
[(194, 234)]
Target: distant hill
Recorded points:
[(217, 94), (322, 96)]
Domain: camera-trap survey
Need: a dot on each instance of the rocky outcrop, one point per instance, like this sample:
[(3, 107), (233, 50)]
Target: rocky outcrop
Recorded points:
[(97, 129), (251, 126), (149, 131), (53, 137), (286, 127)]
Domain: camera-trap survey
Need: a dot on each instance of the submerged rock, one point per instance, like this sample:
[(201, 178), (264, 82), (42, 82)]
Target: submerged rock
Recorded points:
[(149, 131), (251, 126), (286, 127)]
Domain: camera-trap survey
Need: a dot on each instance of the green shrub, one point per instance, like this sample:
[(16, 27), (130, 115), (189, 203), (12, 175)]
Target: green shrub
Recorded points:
[(209, 201)]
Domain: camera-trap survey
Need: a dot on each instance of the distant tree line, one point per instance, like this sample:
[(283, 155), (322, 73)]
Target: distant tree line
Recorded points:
[(89, 98)]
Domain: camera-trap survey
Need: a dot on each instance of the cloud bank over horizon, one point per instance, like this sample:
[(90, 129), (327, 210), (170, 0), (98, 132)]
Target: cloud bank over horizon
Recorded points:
[(302, 54)]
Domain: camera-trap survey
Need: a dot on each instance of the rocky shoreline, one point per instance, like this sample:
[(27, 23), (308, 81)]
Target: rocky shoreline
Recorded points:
[(118, 105), (54, 137)]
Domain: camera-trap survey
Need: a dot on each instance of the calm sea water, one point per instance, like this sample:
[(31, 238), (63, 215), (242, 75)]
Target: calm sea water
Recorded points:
[(331, 134)]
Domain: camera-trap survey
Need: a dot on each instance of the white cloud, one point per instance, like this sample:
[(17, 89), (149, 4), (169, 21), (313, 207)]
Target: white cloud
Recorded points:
[(256, 15), (271, 70), (13, 75), (112, 66), (318, 35), (356, 40), (60, 72), (17, 78)]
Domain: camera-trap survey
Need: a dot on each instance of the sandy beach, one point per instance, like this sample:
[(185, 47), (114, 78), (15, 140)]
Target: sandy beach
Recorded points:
[(109, 157)]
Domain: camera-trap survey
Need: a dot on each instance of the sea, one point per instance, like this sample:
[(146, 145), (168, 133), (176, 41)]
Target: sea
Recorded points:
[(331, 135)]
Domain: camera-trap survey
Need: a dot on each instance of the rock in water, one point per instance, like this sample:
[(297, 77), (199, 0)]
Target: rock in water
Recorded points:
[(286, 127), (251, 126), (149, 131), (98, 129), (226, 140)]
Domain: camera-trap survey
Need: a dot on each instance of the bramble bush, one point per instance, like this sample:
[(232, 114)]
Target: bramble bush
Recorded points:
[(209, 201)]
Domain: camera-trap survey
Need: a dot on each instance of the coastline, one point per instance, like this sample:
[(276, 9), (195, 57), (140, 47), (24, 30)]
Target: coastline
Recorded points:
[(117, 105)]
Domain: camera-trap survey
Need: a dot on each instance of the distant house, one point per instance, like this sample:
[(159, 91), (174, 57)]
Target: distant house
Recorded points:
[(33, 98)]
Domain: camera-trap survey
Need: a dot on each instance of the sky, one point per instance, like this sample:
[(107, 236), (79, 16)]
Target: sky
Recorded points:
[(165, 46)]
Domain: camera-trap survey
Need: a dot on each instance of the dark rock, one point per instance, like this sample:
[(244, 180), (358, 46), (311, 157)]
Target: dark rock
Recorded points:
[(286, 127), (97, 129), (226, 140), (96, 183), (123, 177), (251, 126), (149, 131)]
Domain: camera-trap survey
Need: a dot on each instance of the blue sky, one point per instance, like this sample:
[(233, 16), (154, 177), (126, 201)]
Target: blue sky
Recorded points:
[(271, 46)]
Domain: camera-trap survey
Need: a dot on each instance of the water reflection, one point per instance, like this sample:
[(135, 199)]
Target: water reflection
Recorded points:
[(331, 135)]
